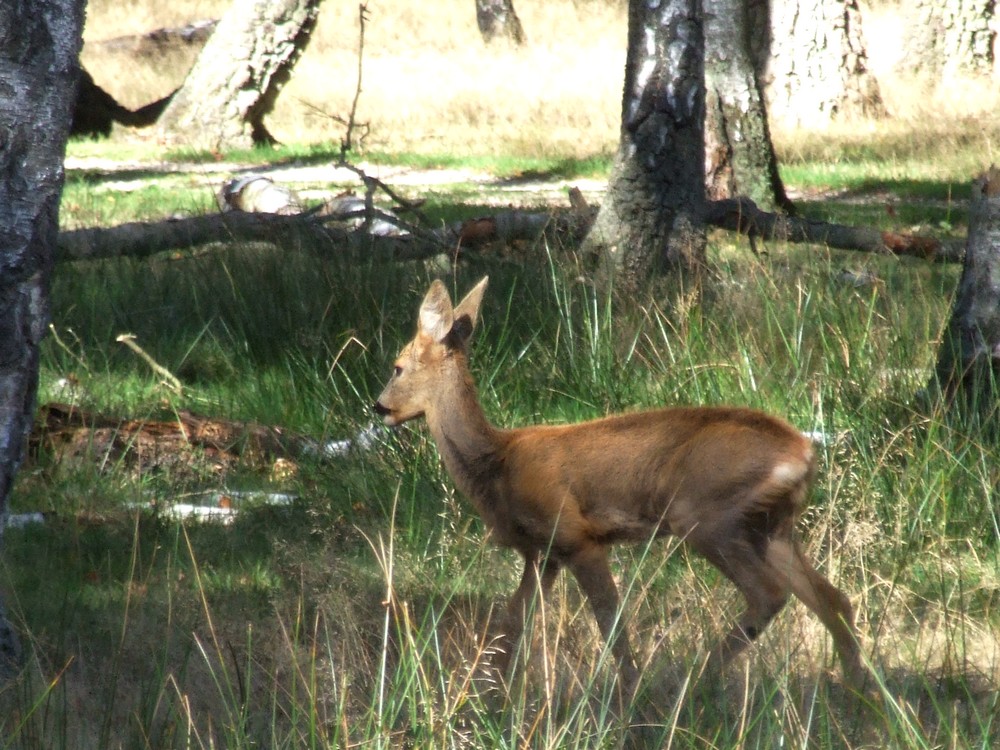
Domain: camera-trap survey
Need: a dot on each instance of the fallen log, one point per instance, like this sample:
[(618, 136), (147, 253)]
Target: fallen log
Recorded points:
[(67, 432), (140, 239), (742, 215), (187, 441)]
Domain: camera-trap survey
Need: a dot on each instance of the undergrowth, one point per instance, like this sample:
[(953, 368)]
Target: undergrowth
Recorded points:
[(355, 615)]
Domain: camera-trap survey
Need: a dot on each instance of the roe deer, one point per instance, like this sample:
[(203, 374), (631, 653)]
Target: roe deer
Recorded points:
[(729, 482)]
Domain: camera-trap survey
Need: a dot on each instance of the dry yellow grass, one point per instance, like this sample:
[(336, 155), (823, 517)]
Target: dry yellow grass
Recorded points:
[(430, 84)]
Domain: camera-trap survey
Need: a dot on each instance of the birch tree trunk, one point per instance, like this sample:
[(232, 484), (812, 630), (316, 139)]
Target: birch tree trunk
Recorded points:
[(968, 367), (948, 37), (236, 78), (650, 219), (498, 20), (40, 42), (739, 155), (817, 67)]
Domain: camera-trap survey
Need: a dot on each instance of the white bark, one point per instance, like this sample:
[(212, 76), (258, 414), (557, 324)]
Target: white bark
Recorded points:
[(818, 67), (236, 78)]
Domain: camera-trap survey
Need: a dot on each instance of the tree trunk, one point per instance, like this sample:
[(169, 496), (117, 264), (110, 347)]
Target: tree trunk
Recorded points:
[(236, 78), (497, 20), (968, 367), (817, 67), (41, 40), (739, 155), (650, 219), (949, 37)]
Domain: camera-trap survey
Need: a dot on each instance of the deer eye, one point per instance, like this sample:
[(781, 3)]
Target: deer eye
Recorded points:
[(397, 371)]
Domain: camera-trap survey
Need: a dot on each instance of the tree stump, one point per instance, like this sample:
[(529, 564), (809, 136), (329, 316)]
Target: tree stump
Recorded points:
[(968, 368)]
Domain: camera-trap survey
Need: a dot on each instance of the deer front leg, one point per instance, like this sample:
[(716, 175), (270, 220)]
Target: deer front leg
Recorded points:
[(590, 566), (539, 575)]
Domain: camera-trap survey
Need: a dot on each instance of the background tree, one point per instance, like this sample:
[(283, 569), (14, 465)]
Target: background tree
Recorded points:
[(650, 217), (236, 78), (812, 54), (739, 155), (497, 20), (40, 41), (968, 368), (951, 36)]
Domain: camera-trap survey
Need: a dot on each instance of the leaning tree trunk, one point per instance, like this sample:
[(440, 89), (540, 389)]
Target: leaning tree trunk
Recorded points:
[(650, 219), (968, 367), (949, 37), (41, 41), (497, 20), (237, 76), (817, 66), (739, 155)]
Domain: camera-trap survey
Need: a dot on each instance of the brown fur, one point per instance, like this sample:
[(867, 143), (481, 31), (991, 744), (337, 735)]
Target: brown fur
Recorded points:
[(730, 482)]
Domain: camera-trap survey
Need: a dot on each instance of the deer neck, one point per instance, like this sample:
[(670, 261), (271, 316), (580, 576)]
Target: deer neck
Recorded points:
[(468, 444)]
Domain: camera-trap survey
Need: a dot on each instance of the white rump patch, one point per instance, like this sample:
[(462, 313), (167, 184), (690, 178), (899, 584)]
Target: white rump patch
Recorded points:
[(789, 474)]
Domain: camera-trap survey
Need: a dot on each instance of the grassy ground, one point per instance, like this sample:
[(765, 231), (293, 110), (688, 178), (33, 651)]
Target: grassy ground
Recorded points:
[(353, 617)]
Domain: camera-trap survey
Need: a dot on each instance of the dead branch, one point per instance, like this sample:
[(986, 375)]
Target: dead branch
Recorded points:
[(143, 239), (351, 122), (742, 215)]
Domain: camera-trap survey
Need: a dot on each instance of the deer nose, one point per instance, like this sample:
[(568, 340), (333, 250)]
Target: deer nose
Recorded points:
[(381, 410)]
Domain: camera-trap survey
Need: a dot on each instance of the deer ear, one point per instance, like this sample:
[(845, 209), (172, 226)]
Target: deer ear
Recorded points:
[(467, 311), (436, 316)]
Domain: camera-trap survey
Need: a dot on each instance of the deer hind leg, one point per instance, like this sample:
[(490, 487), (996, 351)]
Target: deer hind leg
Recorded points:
[(824, 599), (764, 591), (537, 579), (590, 566)]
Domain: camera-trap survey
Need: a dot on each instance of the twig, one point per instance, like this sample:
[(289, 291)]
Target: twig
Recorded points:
[(369, 214), (171, 380), (374, 182), (62, 345), (345, 142)]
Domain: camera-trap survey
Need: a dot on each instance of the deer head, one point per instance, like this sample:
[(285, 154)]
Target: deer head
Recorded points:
[(443, 332)]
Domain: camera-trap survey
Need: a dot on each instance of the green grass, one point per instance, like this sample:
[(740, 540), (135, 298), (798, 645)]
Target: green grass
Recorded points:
[(355, 615)]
